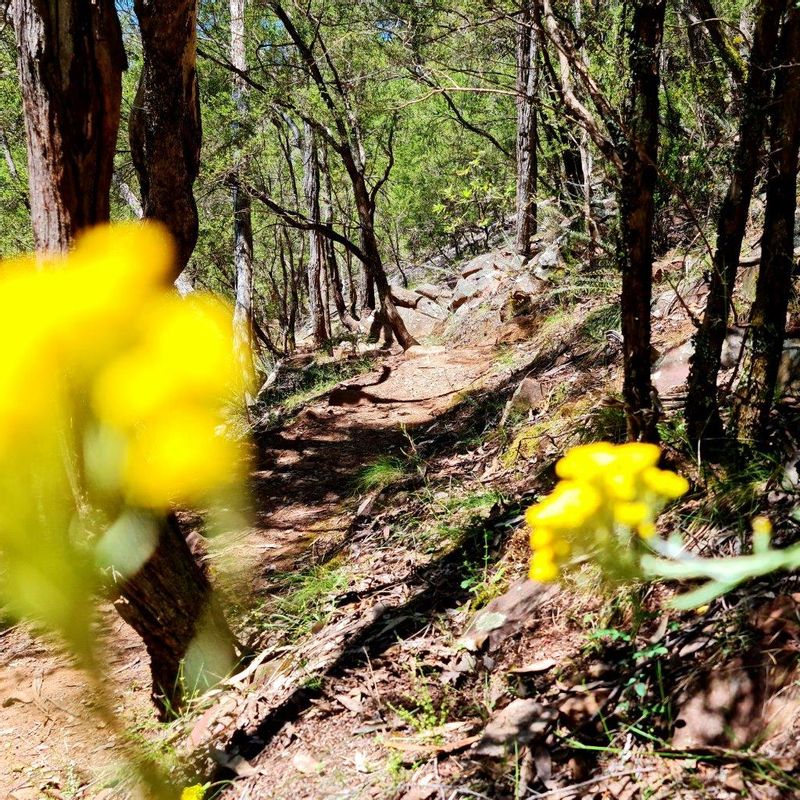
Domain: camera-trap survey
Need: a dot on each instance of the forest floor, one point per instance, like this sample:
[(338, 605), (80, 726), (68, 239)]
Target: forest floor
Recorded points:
[(400, 651)]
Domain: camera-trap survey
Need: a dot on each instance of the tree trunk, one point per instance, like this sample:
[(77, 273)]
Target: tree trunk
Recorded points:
[(242, 217), (70, 66), (70, 59), (316, 241), (331, 261), (637, 211), (702, 406), (773, 289), (587, 166), (527, 134), (165, 128), (374, 264), (189, 643)]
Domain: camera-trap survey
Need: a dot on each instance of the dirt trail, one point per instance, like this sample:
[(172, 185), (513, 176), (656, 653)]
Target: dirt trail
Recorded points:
[(304, 486), (304, 496)]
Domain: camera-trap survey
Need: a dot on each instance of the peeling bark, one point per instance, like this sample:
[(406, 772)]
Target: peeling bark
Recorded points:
[(316, 241), (70, 59), (165, 128), (242, 216), (170, 604)]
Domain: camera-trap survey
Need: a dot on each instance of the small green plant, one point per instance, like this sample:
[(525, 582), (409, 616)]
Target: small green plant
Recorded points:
[(482, 581), (308, 600), (422, 714), (384, 472), (600, 321)]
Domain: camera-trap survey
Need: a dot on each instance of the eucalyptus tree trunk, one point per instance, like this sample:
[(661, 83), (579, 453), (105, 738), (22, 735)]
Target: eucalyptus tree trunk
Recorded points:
[(70, 59), (334, 274), (527, 134), (242, 216), (637, 210), (165, 127), (316, 241), (170, 603), (374, 264), (774, 285), (702, 405), (587, 163)]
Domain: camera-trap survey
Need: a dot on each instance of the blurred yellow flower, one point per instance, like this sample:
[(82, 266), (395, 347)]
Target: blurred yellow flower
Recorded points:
[(112, 393), (179, 457), (569, 505), (196, 792)]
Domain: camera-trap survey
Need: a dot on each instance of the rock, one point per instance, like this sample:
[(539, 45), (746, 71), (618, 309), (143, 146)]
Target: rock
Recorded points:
[(404, 297), (522, 721), (431, 309), (430, 291), (506, 615), (529, 394), (480, 263), (479, 284), (549, 258), (605, 209), (471, 307), (673, 368), (732, 347), (789, 369), (419, 325), (663, 304), (525, 291), (528, 285)]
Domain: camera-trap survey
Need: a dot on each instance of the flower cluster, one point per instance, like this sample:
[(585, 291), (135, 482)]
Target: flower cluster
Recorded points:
[(112, 389), (608, 498)]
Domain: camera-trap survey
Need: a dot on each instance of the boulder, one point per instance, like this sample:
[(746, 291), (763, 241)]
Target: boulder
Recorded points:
[(478, 285), (485, 261), (548, 259), (663, 304), (431, 291), (789, 369), (418, 325), (431, 309), (528, 395), (404, 297), (672, 369)]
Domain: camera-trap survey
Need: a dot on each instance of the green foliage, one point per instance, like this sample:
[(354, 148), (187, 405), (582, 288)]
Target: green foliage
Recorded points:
[(420, 711), (306, 602), (383, 472)]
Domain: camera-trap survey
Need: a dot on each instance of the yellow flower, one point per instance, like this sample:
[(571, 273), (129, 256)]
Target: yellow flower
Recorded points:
[(636, 456), (646, 530), (570, 505), (586, 461), (179, 456), (606, 492), (185, 355), (631, 514), (543, 567), (762, 526), (196, 792), (541, 537), (668, 484)]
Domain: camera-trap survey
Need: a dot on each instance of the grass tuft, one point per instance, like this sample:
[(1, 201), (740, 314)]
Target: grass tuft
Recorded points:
[(386, 471)]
